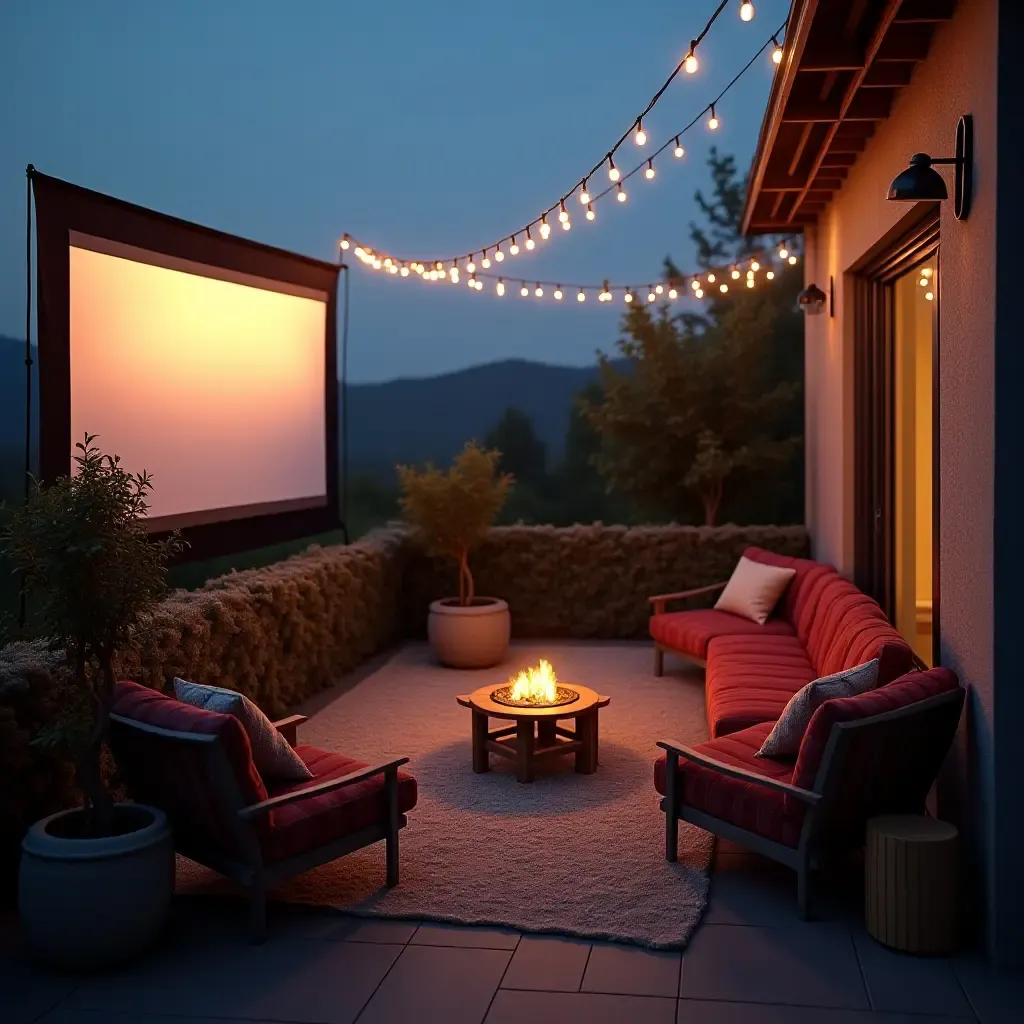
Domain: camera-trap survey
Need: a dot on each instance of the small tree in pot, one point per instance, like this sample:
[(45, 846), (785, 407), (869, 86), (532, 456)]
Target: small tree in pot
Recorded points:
[(451, 512), (94, 576)]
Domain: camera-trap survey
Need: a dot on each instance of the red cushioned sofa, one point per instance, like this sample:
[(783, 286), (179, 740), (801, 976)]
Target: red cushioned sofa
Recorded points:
[(876, 753), (196, 766)]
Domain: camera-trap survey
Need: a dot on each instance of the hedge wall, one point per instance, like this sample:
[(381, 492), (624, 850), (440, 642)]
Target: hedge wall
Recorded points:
[(282, 633), (591, 582)]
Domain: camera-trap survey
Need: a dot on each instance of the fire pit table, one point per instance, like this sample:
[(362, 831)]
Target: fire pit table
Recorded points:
[(535, 735)]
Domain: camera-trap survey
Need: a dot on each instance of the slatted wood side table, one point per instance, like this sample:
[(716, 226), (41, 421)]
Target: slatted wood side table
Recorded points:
[(911, 886)]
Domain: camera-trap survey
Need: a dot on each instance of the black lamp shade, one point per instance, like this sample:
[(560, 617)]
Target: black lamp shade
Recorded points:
[(811, 299), (920, 181)]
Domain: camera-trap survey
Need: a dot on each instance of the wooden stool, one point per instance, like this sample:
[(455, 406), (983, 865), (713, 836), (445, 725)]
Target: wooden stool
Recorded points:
[(911, 892)]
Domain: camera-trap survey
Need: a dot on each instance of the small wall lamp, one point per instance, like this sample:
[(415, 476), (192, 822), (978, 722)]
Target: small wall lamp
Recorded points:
[(811, 300), (920, 181)]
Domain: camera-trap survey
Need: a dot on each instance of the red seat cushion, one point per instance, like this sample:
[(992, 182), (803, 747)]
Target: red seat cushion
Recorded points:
[(744, 804), (691, 632), (174, 774), (318, 820), (750, 679)]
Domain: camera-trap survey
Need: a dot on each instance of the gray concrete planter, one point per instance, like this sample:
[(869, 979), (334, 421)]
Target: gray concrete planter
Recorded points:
[(92, 903), (474, 636)]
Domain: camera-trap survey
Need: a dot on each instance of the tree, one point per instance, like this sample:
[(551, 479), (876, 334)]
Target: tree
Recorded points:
[(711, 408), (523, 454)]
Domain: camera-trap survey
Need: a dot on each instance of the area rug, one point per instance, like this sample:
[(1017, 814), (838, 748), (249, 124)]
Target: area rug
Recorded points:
[(580, 855)]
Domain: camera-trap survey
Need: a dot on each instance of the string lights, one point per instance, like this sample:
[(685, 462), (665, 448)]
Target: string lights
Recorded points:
[(582, 188)]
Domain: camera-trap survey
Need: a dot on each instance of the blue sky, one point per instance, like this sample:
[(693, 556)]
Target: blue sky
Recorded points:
[(419, 127)]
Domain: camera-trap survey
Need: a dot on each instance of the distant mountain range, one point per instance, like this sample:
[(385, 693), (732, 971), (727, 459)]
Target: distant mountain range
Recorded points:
[(404, 420)]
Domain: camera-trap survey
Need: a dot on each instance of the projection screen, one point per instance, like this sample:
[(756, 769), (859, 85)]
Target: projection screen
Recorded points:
[(206, 360)]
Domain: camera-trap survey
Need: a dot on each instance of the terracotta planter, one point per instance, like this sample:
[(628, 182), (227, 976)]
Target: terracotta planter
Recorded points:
[(475, 636), (92, 903)]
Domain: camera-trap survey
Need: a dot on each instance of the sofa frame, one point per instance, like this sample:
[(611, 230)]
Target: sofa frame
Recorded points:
[(819, 839), (658, 601), (248, 868)]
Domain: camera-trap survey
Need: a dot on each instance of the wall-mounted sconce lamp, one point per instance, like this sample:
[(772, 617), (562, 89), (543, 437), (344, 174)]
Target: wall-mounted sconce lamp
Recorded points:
[(811, 300), (920, 181)]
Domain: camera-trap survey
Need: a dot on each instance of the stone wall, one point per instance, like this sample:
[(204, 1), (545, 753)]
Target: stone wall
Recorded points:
[(590, 582)]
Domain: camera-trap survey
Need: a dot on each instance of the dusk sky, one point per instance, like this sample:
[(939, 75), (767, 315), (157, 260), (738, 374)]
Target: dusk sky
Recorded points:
[(421, 128)]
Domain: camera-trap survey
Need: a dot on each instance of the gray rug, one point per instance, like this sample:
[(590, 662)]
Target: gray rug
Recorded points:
[(574, 854)]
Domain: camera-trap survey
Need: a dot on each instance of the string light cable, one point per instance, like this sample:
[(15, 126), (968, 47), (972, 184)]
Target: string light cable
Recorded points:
[(384, 261)]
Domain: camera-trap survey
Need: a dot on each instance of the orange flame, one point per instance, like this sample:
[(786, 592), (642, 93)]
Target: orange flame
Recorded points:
[(535, 685)]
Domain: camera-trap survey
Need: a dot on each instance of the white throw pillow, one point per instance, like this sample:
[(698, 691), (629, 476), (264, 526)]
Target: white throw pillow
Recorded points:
[(754, 589), (785, 738), (271, 752)]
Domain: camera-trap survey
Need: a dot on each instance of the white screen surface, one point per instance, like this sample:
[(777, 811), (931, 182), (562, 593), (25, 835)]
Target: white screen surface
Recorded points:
[(214, 386)]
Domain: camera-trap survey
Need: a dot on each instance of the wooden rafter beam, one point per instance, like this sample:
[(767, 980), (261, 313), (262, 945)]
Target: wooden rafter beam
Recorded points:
[(889, 75), (869, 105), (835, 56), (885, 22), (905, 41), (925, 11)]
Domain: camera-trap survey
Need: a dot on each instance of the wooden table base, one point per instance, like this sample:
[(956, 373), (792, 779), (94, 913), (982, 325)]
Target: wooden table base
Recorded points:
[(534, 738)]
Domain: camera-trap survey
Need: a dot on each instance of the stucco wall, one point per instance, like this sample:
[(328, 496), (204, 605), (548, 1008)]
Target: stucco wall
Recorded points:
[(958, 77)]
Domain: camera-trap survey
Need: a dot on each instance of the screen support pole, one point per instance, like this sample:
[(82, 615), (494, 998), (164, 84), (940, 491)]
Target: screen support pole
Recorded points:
[(344, 411), (29, 172)]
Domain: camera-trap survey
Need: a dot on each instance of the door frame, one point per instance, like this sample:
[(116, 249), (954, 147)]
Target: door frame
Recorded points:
[(915, 241)]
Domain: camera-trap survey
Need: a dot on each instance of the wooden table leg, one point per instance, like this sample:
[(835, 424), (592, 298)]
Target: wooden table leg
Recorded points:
[(545, 732), (586, 733), (481, 761), (524, 750)]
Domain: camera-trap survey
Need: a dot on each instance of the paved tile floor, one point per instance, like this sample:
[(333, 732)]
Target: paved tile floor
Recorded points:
[(751, 961)]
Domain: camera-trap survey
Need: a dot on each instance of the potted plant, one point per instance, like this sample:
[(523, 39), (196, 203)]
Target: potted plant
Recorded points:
[(451, 513), (95, 881)]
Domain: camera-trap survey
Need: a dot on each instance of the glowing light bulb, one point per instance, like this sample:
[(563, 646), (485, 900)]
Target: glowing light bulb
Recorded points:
[(500, 287), (776, 52), (735, 274), (770, 275), (695, 285), (471, 266), (628, 297), (454, 275), (613, 171), (926, 272), (432, 276), (545, 228), (345, 242), (566, 225), (485, 262), (651, 296), (498, 255), (690, 63), (649, 173), (723, 287), (590, 212), (606, 295), (713, 120), (563, 213), (699, 293), (673, 294), (472, 281), (754, 265), (558, 293), (538, 291), (360, 251), (524, 291), (530, 243), (750, 282), (581, 296), (641, 136), (929, 296), (659, 289), (923, 282), (404, 271), (711, 278), (792, 260), (439, 265), (514, 247), (584, 194), (393, 269), (388, 262), (621, 194), (377, 264), (783, 252), (746, 10), (678, 151)]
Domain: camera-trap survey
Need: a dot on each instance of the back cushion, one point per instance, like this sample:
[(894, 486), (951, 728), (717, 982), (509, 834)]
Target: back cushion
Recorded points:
[(174, 774), (795, 597)]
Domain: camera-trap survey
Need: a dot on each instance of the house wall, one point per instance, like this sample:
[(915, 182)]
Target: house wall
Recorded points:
[(959, 76)]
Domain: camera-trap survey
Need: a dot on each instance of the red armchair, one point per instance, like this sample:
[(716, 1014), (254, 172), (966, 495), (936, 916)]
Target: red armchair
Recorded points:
[(197, 767), (876, 753)]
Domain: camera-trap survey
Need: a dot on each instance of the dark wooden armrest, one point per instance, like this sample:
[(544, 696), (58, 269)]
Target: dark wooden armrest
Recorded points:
[(289, 728), (680, 750), (659, 600), (265, 806)]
